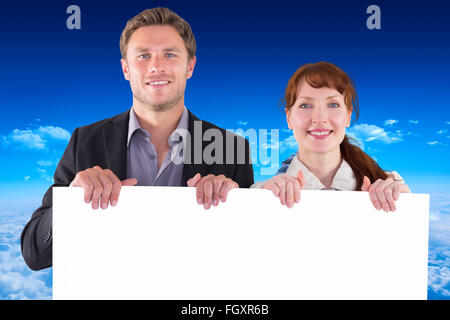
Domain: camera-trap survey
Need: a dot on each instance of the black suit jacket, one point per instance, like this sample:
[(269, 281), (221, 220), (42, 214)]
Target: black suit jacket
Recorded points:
[(104, 143)]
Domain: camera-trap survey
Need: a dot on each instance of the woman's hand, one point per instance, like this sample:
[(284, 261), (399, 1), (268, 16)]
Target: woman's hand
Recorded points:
[(286, 188), (384, 193)]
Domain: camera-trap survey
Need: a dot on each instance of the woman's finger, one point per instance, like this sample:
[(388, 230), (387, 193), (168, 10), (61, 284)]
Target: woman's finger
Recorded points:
[(289, 194), (388, 192), (282, 186), (272, 187), (373, 195), (380, 192)]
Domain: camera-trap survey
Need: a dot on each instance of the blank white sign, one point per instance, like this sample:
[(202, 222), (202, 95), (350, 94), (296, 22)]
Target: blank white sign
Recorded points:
[(158, 243)]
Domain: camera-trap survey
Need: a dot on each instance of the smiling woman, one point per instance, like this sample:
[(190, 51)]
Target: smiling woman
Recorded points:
[(320, 99)]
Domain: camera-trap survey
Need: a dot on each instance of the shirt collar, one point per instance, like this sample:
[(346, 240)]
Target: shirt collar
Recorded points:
[(343, 180), (176, 136)]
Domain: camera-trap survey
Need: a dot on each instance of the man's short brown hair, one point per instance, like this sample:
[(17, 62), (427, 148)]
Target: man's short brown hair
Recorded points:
[(158, 16)]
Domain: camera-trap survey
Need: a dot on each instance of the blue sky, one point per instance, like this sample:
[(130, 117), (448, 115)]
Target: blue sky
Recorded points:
[(55, 79)]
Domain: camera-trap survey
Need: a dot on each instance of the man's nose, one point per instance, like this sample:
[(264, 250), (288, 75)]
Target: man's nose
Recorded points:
[(156, 65)]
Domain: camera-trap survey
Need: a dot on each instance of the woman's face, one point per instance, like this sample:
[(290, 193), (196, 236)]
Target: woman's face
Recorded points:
[(319, 118)]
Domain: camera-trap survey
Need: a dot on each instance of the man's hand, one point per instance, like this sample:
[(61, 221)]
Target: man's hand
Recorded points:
[(211, 188), (100, 184), (286, 188), (384, 193)]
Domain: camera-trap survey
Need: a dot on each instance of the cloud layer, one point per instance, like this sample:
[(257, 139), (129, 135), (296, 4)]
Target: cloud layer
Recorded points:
[(19, 282)]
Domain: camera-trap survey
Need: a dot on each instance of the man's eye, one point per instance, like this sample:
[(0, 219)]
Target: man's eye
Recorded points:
[(170, 55), (333, 105), (143, 56)]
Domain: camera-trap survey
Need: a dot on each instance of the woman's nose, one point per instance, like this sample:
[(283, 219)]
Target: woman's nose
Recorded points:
[(319, 115)]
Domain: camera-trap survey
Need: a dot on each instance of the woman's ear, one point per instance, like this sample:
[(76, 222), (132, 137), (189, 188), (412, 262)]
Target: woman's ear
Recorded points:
[(287, 118), (349, 120)]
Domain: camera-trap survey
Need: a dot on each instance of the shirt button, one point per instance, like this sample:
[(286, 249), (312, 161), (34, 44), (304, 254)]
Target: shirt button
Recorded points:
[(152, 156)]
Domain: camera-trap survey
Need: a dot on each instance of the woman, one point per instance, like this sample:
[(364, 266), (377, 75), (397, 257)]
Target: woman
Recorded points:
[(320, 99)]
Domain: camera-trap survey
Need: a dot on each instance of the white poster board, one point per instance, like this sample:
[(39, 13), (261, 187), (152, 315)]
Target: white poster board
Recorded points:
[(158, 243)]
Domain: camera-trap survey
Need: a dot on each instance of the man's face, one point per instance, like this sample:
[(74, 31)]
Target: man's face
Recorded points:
[(157, 67)]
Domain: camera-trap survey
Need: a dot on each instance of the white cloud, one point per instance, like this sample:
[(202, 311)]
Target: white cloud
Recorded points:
[(442, 131), (436, 143), (369, 132), (24, 139), (390, 122), (413, 121), (56, 133), (447, 122), (43, 174), (26, 178), (242, 123), (36, 139), (17, 281), (289, 144), (45, 163)]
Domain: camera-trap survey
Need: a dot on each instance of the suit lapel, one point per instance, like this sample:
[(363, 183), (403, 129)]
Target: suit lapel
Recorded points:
[(115, 137), (190, 170)]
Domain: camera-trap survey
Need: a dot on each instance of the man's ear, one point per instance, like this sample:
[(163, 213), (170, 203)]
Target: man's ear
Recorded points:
[(124, 64), (190, 67), (287, 118)]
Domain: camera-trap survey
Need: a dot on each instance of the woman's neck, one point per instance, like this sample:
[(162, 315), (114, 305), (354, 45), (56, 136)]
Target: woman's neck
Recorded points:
[(323, 165)]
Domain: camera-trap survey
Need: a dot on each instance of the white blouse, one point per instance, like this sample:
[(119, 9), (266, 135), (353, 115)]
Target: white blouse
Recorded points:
[(344, 179)]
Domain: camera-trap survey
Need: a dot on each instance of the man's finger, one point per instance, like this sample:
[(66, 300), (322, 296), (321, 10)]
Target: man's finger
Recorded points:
[(226, 187), (129, 182), (107, 188), (116, 186), (207, 193), (82, 180), (192, 182), (217, 185), (97, 189), (199, 191)]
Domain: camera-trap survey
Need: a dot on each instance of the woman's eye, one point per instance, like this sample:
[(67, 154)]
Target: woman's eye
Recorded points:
[(333, 105), (305, 106)]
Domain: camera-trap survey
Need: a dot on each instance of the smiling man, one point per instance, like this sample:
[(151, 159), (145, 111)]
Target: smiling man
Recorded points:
[(158, 142)]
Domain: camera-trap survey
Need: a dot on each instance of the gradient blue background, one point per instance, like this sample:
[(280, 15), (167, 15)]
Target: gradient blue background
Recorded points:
[(55, 79)]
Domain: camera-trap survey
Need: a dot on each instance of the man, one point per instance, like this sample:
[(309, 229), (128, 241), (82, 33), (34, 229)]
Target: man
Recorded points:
[(144, 145)]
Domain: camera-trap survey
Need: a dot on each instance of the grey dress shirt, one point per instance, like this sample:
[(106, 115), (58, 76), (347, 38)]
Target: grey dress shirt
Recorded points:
[(142, 159)]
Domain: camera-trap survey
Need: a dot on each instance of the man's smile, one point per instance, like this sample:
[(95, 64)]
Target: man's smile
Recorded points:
[(158, 83)]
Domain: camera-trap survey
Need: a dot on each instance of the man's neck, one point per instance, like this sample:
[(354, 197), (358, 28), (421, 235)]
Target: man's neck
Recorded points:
[(160, 125), (323, 165)]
